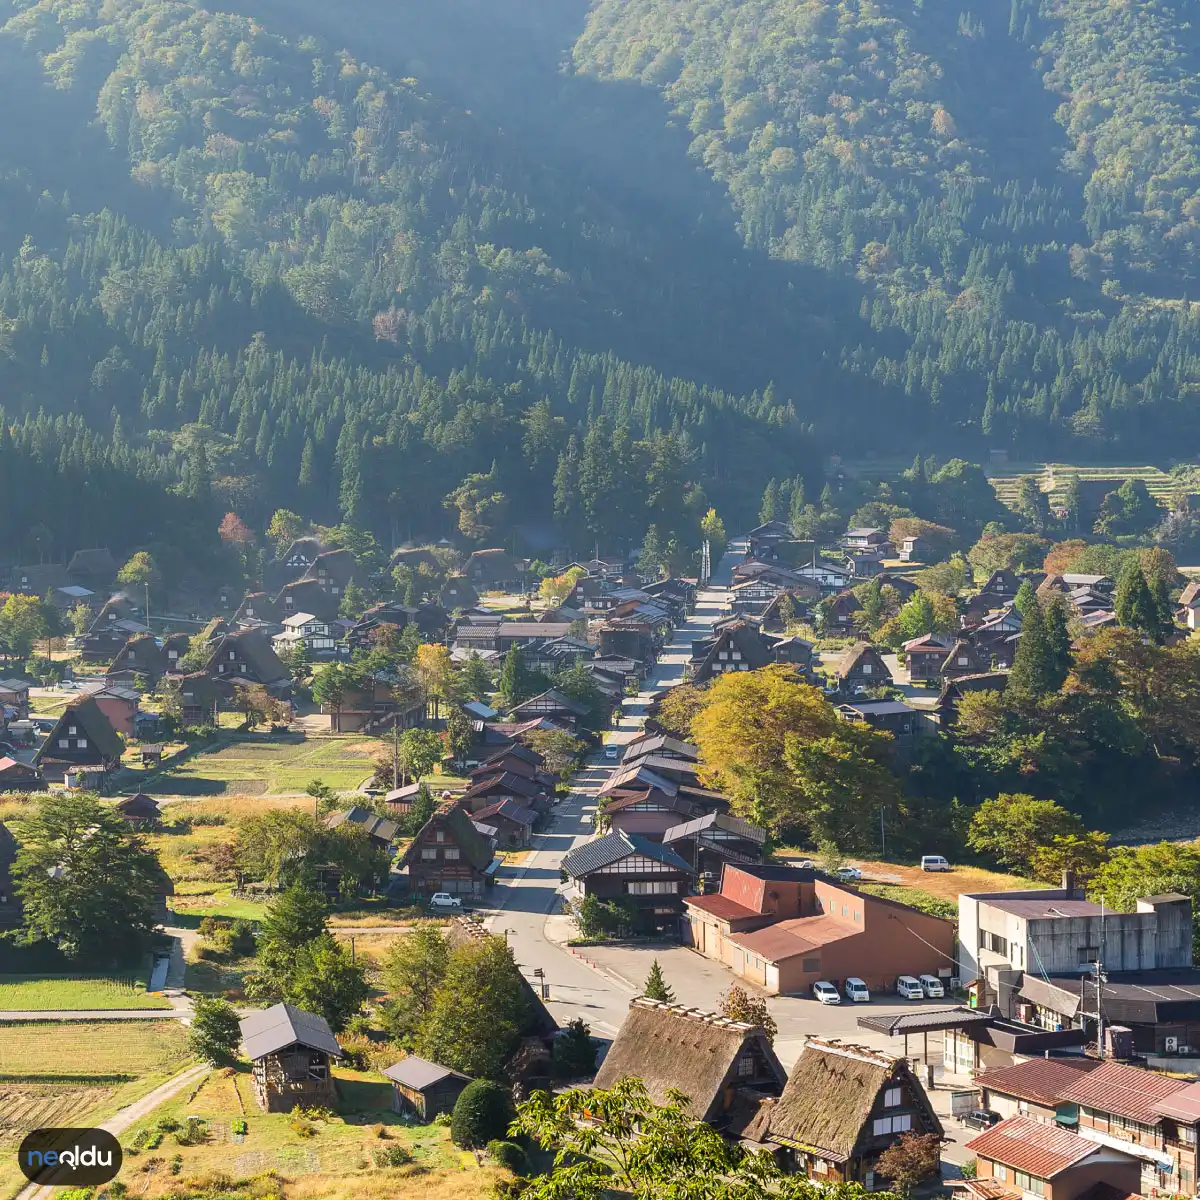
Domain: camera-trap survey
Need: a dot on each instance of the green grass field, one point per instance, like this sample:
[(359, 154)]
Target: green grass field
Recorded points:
[(1053, 477), (29, 993), (272, 767)]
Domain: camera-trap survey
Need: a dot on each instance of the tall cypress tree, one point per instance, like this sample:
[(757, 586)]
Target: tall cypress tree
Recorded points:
[(1135, 605), (1036, 671)]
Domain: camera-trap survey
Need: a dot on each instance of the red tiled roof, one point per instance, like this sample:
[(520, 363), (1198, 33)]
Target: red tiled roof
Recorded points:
[(1041, 1080), (1130, 1092), (800, 935), (988, 1189), (720, 906), (1040, 1148)]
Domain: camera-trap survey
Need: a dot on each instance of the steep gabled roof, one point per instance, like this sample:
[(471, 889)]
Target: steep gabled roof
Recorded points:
[(374, 826), (670, 1046), (284, 1025), (829, 1097), (603, 852), (255, 647), (855, 655), (87, 715), (472, 845)]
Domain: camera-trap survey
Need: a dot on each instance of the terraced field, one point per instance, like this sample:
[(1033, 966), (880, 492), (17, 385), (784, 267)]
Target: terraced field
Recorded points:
[(26, 1106), (1053, 477)]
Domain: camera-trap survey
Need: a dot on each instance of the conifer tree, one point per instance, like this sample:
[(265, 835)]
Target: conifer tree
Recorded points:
[(655, 987)]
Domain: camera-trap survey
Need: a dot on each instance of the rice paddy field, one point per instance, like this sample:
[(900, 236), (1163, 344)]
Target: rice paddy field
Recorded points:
[(23, 993), (77, 1072), (271, 767), (1053, 477)]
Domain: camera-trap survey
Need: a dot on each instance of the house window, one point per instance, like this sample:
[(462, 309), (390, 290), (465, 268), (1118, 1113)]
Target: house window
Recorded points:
[(233, 654), (993, 942), (1000, 1172), (652, 887), (81, 743), (429, 854), (441, 835), (746, 1065), (451, 854), (1088, 954), (72, 729), (866, 668), (811, 964), (893, 1098), (962, 661), (64, 743), (1029, 1183)]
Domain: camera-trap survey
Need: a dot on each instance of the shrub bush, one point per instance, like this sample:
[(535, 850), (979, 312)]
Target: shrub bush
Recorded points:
[(482, 1113), (391, 1156), (508, 1155)]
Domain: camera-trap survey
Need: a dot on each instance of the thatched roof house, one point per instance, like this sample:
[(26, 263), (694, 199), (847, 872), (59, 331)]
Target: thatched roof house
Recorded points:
[(709, 1058), (843, 1106)]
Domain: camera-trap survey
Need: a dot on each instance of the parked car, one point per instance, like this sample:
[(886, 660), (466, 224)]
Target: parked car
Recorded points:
[(826, 992), (931, 985), (979, 1118), (910, 988), (612, 753), (444, 900), (856, 990), (806, 864), (848, 873), (934, 862)]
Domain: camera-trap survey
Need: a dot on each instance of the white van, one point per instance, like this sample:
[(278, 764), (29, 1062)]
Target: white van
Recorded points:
[(910, 988), (826, 992), (932, 987), (934, 862), (855, 990)]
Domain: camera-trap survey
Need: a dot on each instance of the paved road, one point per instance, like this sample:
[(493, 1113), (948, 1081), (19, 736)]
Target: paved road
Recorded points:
[(528, 895)]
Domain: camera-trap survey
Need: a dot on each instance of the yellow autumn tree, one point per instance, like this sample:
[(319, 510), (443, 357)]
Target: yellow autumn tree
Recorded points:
[(778, 749)]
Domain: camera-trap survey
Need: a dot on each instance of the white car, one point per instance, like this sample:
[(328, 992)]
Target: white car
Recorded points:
[(910, 988), (856, 991), (931, 985), (934, 862), (848, 873), (444, 900), (805, 864), (826, 992), (612, 753)]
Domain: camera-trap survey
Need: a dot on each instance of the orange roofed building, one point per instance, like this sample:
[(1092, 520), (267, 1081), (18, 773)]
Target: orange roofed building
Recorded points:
[(783, 928)]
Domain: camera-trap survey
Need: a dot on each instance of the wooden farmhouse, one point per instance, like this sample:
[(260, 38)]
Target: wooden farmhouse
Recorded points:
[(291, 1052), (424, 1089)]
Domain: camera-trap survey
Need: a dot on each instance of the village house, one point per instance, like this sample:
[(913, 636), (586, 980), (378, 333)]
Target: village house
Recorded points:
[(1033, 1158), (651, 806), (257, 609), (381, 831), (414, 557), (290, 1053), (82, 746), (493, 784), (763, 540), (502, 636), (37, 580), (512, 821), (140, 810), (954, 689), (905, 724), (868, 541), (382, 700), (785, 928), (1002, 582), (294, 562), (1034, 1088), (924, 656), (449, 855), (555, 706), (1009, 940), (141, 655), (631, 639), (95, 570), (862, 666), (120, 705), (965, 658), (20, 777), (726, 1068), (199, 697), (333, 570), (424, 1089), (865, 565), (458, 592), (248, 657), (308, 596), (1187, 611), (14, 694), (707, 843), (319, 638), (841, 609), (842, 1107), (493, 570), (912, 548), (625, 866), (742, 647)]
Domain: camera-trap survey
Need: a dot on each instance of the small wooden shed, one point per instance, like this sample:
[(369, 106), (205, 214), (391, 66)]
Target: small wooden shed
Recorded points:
[(424, 1088), (290, 1051)]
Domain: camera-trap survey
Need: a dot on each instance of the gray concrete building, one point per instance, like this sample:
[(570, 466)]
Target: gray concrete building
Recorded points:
[(1058, 931)]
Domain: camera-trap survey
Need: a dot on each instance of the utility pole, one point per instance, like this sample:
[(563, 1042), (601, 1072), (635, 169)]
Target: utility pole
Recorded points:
[(395, 750), (882, 835), (147, 585)]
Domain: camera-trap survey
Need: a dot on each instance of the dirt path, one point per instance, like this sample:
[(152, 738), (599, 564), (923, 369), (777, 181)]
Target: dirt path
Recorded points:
[(120, 1121)]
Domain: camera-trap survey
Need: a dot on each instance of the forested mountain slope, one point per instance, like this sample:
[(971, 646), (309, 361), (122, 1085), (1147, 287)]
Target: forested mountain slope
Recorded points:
[(510, 264), (1017, 186)]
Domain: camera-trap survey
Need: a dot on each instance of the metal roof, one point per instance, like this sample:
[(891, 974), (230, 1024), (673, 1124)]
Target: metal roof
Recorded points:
[(1124, 1091), (1041, 1080), (419, 1073), (734, 825), (1045, 908), (284, 1025), (605, 851), (923, 1020), (1137, 997), (1039, 1147)]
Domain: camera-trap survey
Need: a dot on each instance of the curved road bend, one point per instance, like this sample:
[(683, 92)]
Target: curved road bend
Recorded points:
[(527, 896)]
